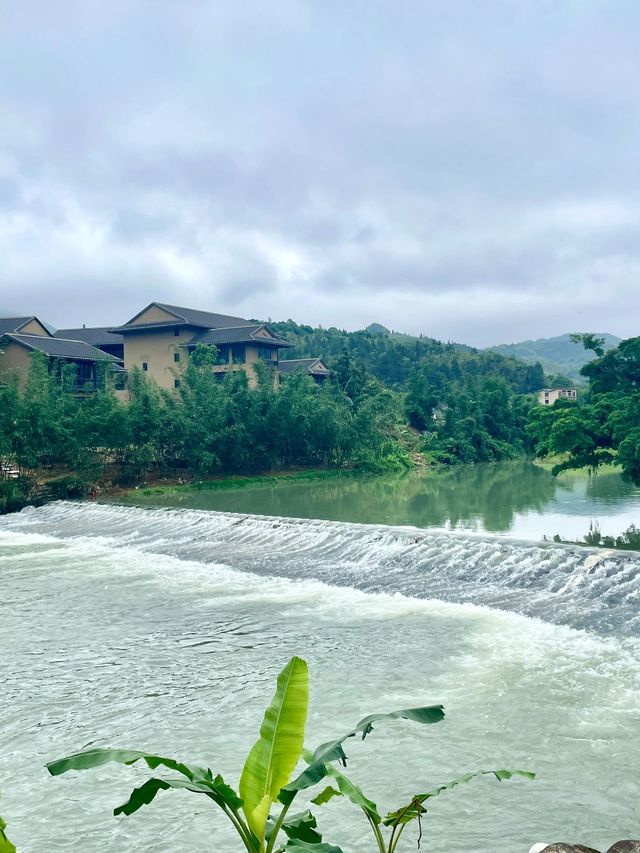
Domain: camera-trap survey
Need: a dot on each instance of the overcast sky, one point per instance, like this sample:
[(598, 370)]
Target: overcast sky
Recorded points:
[(468, 169)]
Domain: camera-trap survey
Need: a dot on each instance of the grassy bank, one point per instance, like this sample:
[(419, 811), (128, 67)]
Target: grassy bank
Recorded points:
[(236, 481), (42, 486), (549, 463)]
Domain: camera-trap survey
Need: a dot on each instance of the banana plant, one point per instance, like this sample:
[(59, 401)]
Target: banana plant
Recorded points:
[(266, 774), (265, 779), (5, 845)]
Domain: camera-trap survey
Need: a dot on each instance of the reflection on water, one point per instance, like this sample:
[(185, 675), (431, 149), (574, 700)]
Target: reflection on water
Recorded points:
[(518, 498)]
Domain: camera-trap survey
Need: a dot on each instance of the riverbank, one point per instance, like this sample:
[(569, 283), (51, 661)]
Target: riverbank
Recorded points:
[(39, 487), (178, 486)]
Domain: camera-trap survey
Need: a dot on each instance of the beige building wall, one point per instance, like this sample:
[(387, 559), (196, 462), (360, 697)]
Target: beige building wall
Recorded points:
[(156, 349), (14, 359), (34, 327), (153, 314), (548, 396)]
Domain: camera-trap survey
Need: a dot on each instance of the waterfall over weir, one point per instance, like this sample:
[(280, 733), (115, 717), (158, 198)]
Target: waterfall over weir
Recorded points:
[(164, 629), (598, 590)]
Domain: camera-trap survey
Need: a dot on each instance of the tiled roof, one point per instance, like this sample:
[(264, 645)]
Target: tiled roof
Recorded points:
[(183, 317), (237, 335), (14, 324), (61, 348), (308, 365), (202, 318), (96, 336)]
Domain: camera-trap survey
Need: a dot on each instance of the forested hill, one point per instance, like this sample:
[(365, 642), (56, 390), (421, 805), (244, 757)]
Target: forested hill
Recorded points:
[(395, 359), (557, 355)]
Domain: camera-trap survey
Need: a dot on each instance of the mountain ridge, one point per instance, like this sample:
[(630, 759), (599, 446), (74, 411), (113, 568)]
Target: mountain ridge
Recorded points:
[(558, 355)]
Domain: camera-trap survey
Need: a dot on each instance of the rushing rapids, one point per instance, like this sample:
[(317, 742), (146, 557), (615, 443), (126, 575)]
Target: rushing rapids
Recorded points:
[(163, 629), (585, 588)]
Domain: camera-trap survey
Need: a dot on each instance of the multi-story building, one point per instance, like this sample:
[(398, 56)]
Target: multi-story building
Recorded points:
[(158, 340), (160, 337), (22, 336), (548, 396)]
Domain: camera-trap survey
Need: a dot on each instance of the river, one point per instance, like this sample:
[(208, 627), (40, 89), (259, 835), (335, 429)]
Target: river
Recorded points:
[(164, 627)]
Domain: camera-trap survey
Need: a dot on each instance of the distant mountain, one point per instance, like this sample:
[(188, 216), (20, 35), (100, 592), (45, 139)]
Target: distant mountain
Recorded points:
[(556, 355), (377, 329)]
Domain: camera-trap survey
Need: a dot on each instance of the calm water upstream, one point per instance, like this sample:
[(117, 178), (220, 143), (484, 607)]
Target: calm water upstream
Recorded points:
[(164, 627), (516, 499)]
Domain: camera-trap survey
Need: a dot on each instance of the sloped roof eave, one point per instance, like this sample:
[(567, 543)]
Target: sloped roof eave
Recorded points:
[(18, 323), (247, 334), (85, 352)]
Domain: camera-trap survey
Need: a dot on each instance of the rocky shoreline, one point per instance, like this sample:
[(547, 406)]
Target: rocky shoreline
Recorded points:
[(561, 847)]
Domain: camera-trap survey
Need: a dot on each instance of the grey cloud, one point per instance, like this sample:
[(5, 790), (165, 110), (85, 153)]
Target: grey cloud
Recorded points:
[(248, 157)]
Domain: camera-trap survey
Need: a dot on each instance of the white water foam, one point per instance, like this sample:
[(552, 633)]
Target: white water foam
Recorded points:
[(165, 629), (598, 590)]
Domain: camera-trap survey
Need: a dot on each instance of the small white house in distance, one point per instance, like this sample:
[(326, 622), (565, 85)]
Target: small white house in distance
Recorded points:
[(548, 396)]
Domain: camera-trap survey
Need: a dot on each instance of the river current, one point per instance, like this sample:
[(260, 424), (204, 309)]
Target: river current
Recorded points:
[(163, 629)]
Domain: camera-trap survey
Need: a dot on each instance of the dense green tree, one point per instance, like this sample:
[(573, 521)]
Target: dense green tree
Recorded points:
[(393, 358), (602, 427), (467, 417), (589, 342), (44, 417)]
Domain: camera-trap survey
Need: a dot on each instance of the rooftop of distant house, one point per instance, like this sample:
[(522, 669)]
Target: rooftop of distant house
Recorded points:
[(15, 324), (304, 365), (183, 317), (239, 335), (59, 347), (96, 336)]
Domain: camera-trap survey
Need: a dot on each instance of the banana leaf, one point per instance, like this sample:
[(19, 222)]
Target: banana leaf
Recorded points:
[(5, 845), (202, 779), (275, 754), (414, 808), (334, 751)]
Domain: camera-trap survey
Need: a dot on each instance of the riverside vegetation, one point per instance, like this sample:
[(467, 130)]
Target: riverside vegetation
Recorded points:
[(604, 427), (468, 404), (442, 404), (266, 780), (209, 427)]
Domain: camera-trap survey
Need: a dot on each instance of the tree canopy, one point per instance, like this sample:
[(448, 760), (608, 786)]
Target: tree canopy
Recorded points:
[(604, 426)]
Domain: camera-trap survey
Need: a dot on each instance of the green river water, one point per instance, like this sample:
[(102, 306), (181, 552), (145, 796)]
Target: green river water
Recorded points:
[(517, 499), (162, 626)]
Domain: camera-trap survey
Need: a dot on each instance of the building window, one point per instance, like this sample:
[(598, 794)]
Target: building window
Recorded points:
[(85, 374), (176, 331), (176, 383), (84, 371), (268, 353), (238, 354), (176, 357), (145, 366)]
